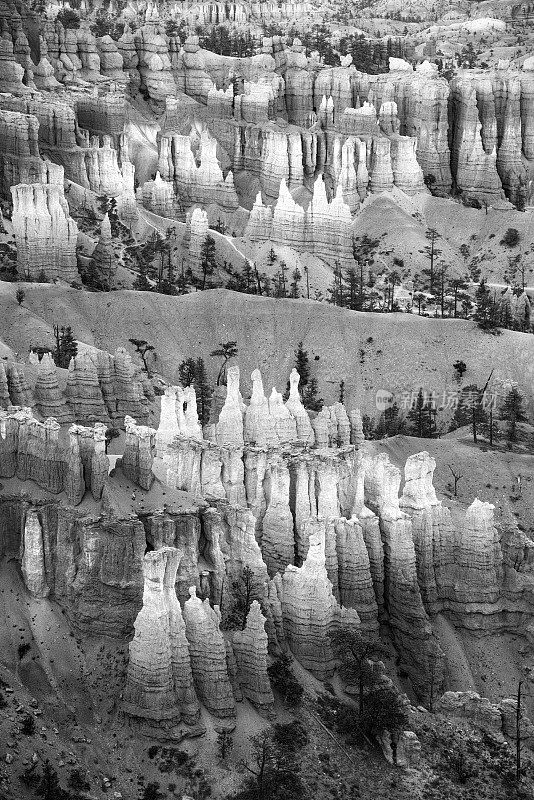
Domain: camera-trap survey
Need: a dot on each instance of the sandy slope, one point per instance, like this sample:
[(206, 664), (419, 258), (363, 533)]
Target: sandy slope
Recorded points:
[(368, 351)]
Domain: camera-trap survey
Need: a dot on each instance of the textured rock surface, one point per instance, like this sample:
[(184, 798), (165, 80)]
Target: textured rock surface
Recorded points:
[(277, 541), (159, 684), (208, 656), (407, 614), (305, 434), (229, 429), (45, 234), (138, 453), (250, 649), (49, 400), (310, 611), (33, 557), (84, 393)]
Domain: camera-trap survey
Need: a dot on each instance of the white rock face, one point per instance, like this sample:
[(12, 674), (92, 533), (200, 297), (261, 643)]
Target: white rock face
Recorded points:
[(33, 557), (208, 656), (250, 649), (229, 430), (159, 684), (310, 610), (45, 234), (294, 405)]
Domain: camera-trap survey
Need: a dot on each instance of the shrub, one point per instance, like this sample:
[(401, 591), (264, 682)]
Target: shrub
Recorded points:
[(28, 725), (68, 18), (511, 238), (283, 680), (23, 648)]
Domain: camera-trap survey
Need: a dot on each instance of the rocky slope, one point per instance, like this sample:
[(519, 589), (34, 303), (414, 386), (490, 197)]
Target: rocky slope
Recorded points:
[(359, 349)]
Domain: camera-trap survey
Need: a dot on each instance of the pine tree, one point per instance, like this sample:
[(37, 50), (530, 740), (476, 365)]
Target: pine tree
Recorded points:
[(244, 592), (458, 287), (309, 396), (431, 251), (423, 417), (227, 350), (302, 364), (141, 282), (512, 411), (308, 386), (66, 347), (208, 260), (143, 348), (336, 290), (391, 423), (470, 410), (193, 373), (485, 310), (187, 372), (225, 744), (295, 280)]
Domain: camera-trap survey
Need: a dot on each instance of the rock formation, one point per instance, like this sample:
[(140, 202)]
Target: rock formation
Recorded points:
[(208, 656), (45, 234), (310, 611), (138, 453), (33, 557), (49, 401), (250, 649), (159, 683)]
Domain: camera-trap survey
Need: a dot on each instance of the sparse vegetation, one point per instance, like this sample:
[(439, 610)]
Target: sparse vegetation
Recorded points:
[(283, 680), (28, 725), (226, 351), (66, 347)]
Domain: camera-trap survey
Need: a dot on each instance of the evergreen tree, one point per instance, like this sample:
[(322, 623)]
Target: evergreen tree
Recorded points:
[(227, 350), (470, 410), (141, 282), (512, 411), (308, 387), (66, 347), (432, 252), (485, 311), (354, 287), (336, 290), (283, 680), (244, 592), (385, 710), (358, 659), (391, 423), (458, 287), (225, 744), (167, 285), (423, 417), (193, 373), (208, 261), (143, 348), (295, 280), (309, 396), (302, 364)]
